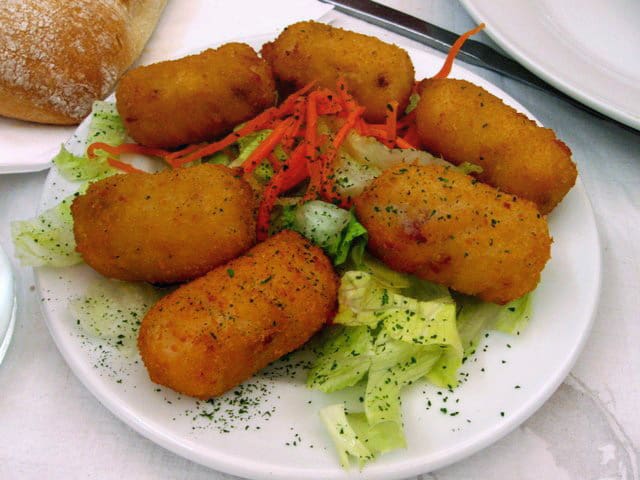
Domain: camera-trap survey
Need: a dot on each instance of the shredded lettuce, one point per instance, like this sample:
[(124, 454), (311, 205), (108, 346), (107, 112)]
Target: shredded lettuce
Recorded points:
[(82, 168), (391, 330), (332, 228), (476, 316), (414, 99), (344, 359), (361, 159), (393, 340), (106, 125), (112, 310), (47, 240), (344, 436)]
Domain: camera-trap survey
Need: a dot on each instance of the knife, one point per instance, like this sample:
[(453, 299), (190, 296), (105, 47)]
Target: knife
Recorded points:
[(473, 52)]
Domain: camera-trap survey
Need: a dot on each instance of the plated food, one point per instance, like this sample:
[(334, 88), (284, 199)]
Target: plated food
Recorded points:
[(465, 123), (212, 334), (280, 177), (166, 228), (377, 73), (195, 98), (447, 227)]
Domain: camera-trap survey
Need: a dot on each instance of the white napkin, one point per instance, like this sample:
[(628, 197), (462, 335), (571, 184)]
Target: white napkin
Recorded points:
[(186, 25)]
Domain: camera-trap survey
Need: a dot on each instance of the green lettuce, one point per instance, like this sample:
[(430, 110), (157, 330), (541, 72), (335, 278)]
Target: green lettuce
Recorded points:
[(106, 125), (476, 317), (47, 240), (247, 144), (390, 331), (332, 228), (391, 339), (344, 436), (344, 359), (82, 168), (414, 99)]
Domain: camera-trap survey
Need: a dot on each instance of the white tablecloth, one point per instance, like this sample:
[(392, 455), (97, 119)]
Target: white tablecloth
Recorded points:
[(52, 427)]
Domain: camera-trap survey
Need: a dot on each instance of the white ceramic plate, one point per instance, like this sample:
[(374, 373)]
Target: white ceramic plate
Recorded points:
[(589, 49), (7, 304), (281, 436)]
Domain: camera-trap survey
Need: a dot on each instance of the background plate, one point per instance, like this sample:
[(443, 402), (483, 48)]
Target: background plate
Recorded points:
[(589, 49), (280, 434)]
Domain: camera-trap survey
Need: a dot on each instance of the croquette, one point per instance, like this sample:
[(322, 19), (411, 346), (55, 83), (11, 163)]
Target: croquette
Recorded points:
[(465, 123), (448, 228), (195, 98), (167, 227), (375, 72), (217, 331)]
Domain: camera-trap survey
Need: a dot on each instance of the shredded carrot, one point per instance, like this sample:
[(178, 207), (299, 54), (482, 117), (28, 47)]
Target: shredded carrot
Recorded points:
[(124, 148), (392, 120), (402, 143), (298, 116), (291, 174), (348, 125), (287, 106), (347, 101), (125, 167), (260, 122), (182, 152), (455, 49), (266, 146), (328, 103)]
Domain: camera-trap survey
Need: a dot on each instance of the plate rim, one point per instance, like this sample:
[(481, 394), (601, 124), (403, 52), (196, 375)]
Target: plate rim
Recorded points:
[(8, 303), (248, 467), (566, 85)]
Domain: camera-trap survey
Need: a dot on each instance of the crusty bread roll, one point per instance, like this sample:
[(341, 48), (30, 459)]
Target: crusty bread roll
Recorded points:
[(58, 56)]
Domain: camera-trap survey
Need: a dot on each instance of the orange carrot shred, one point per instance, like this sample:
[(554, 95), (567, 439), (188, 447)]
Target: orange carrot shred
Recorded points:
[(182, 152), (124, 148), (287, 106), (455, 49), (125, 167), (392, 120), (266, 146), (348, 125), (292, 173), (402, 143)]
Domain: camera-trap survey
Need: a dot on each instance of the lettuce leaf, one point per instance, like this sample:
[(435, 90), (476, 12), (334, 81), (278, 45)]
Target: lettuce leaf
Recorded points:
[(82, 168), (47, 240), (106, 125), (392, 338), (344, 437), (476, 317), (343, 361), (334, 229)]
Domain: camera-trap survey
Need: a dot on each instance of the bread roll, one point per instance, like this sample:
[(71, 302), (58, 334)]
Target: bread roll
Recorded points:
[(58, 56)]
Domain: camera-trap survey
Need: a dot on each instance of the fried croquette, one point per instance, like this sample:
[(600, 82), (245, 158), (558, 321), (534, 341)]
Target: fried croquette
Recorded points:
[(167, 227), (195, 98), (375, 72), (465, 123), (447, 227), (217, 331)]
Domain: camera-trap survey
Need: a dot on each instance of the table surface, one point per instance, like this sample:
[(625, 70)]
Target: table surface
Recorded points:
[(52, 427)]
